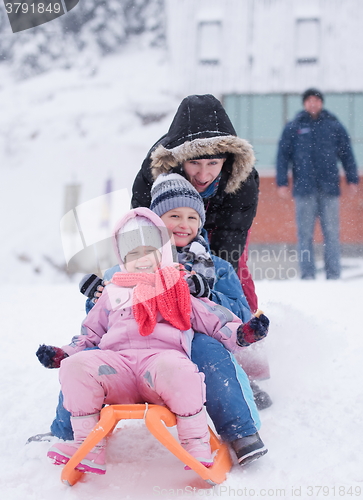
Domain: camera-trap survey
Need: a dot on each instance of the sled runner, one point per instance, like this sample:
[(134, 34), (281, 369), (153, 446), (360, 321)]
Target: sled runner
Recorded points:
[(155, 417)]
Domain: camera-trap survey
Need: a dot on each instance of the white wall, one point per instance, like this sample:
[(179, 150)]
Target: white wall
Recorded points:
[(259, 46)]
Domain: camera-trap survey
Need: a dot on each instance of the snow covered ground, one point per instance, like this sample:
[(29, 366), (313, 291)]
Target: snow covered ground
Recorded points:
[(313, 430), (86, 126), (81, 126)]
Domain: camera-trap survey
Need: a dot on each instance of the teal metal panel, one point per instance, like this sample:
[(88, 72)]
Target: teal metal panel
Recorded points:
[(260, 119), (294, 105), (265, 154), (357, 111), (267, 123), (267, 117), (340, 105), (238, 110)]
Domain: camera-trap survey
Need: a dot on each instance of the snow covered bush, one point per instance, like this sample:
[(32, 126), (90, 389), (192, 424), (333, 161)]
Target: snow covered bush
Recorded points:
[(91, 30)]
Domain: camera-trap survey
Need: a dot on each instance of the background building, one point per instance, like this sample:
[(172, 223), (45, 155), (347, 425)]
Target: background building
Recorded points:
[(258, 56)]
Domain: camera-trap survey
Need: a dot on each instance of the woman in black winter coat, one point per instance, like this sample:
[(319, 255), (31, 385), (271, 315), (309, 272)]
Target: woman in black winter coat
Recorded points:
[(202, 145)]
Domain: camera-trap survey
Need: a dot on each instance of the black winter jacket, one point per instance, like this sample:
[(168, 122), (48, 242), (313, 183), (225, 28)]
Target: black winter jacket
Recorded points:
[(202, 127)]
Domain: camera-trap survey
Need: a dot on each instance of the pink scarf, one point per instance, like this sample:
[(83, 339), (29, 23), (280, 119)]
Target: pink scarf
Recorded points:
[(164, 291)]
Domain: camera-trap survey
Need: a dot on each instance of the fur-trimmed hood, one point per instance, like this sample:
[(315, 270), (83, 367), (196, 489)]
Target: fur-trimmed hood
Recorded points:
[(202, 127)]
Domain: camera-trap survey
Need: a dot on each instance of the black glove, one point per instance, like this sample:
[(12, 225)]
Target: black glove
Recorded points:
[(89, 285), (198, 285), (50, 356), (254, 330)]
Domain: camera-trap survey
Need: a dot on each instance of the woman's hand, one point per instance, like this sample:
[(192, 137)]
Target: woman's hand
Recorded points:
[(254, 330)]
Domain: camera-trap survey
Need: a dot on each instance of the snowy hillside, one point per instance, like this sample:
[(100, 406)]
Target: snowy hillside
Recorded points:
[(313, 430), (89, 125), (67, 127), (86, 34)]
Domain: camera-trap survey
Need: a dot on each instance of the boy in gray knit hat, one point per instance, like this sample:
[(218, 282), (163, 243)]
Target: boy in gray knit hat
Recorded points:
[(181, 208)]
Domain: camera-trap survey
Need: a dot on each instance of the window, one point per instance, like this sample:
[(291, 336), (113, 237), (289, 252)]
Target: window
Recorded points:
[(307, 40), (209, 42)]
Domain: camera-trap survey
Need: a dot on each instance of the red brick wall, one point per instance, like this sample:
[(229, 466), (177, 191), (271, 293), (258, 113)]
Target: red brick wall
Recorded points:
[(275, 220)]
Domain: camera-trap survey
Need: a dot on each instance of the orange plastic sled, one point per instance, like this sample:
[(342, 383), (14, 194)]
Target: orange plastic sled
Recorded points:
[(155, 416)]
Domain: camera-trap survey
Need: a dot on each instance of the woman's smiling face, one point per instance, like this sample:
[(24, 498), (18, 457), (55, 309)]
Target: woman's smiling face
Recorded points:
[(201, 173)]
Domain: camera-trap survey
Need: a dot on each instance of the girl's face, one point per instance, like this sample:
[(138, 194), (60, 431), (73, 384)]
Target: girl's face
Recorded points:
[(143, 259), (183, 225), (201, 173)]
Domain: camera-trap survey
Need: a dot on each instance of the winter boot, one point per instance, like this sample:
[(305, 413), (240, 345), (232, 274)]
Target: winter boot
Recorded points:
[(95, 461), (262, 399), (193, 434), (249, 448)]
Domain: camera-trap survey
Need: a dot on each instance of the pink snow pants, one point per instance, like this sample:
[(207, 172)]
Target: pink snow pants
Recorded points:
[(92, 378)]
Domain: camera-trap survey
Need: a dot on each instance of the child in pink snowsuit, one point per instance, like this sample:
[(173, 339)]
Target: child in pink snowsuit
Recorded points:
[(143, 324)]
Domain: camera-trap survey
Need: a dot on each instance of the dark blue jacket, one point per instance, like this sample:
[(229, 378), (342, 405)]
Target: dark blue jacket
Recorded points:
[(312, 148)]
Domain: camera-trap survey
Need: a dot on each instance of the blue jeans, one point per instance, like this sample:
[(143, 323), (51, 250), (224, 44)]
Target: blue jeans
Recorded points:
[(229, 403), (229, 397), (325, 208), (61, 425)]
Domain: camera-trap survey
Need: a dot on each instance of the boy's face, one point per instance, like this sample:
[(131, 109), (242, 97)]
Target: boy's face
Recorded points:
[(182, 224), (142, 260)]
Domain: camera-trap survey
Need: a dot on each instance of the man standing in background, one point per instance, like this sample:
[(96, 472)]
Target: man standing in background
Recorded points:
[(312, 144)]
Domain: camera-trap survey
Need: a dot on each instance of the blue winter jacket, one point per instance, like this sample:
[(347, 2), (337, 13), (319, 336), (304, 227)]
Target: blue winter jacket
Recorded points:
[(227, 290), (312, 148)]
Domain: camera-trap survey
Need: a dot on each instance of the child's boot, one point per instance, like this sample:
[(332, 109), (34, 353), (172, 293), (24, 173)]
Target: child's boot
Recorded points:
[(194, 437), (95, 461), (249, 448)]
